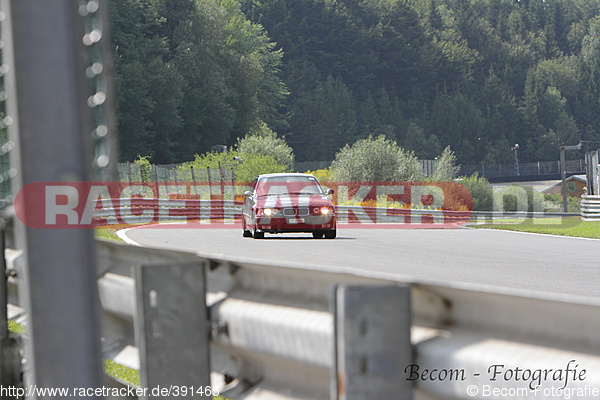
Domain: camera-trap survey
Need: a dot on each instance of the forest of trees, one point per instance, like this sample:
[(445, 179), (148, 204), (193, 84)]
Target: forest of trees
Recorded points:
[(477, 75)]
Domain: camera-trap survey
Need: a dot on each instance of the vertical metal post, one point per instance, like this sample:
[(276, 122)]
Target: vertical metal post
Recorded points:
[(232, 185), (591, 163), (10, 352), (209, 182), (515, 148), (129, 172), (221, 178), (563, 177), (173, 342), (3, 287), (194, 180), (372, 343), (47, 99)]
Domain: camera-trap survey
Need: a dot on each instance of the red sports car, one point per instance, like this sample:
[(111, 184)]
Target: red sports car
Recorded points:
[(281, 203)]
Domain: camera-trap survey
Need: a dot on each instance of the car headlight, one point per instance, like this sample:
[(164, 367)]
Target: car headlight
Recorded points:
[(322, 210), (268, 212)]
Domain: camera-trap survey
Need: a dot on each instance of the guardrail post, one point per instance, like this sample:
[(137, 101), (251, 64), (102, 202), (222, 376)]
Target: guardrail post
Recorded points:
[(171, 330), (372, 342), (50, 128), (10, 352)]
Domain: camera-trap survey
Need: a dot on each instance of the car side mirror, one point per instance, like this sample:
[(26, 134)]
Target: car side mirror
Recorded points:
[(329, 191), (248, 193)]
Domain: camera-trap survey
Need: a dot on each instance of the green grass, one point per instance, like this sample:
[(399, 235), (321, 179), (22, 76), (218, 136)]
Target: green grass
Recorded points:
[(122, 373), (15, 327), (130, 375), (572, 226), (108, 232), (111, 368)]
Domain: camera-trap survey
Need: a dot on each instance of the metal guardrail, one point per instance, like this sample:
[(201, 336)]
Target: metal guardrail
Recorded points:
[(590, 208), (294, 332), (145, 210)]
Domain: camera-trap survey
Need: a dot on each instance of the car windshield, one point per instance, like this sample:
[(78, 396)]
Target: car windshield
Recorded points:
[(291, 185)]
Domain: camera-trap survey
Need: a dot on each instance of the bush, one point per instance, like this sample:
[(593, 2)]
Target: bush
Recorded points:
[(375, 160), (265, 142), (518, 198), (554, 203), (480, 190), (145, 168), (323, 175), (250, 167), (258, 164)]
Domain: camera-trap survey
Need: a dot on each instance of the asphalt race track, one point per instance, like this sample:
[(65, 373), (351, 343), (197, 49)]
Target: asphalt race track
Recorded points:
[(541, 263)]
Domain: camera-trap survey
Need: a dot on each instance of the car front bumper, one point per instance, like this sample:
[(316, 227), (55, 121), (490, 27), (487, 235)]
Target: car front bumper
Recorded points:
[(308, 223)]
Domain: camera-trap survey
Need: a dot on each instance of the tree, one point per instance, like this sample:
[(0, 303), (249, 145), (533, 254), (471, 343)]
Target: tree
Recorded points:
[(191, 74), (266, 143), (417, 141), (446, 168), (251, 166), (479, 76), (375, 159)]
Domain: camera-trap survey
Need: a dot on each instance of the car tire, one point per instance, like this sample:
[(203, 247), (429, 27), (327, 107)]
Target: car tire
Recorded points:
[(246, 232), (317, 234), (330, 234), (258, 235)]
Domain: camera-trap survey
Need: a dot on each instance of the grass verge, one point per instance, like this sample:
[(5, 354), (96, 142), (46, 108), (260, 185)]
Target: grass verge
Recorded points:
[(108, 232), (111, 368), (571, 226)]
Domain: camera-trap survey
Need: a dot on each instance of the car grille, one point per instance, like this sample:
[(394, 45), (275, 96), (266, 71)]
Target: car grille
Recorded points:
[(289, 212)]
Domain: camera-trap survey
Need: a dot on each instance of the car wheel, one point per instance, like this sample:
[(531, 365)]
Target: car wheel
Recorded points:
[(317, 234), (246, 232), (330, 234), (258, 235)]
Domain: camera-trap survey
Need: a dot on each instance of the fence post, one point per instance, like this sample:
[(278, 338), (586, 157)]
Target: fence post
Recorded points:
[(372, 342), (47, 100), (209, 182), (173, 342), (194, 180), (129, 172), (232, 185), (222, 183), (176, 180), (10, 354)]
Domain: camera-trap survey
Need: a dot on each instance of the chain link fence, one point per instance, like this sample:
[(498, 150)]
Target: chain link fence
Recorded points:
[(179, 181), (525, 169), (175, 173)]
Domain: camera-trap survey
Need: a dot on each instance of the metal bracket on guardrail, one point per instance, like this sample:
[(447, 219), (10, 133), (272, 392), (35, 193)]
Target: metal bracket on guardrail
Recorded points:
[(372, 342), (172, 332)]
